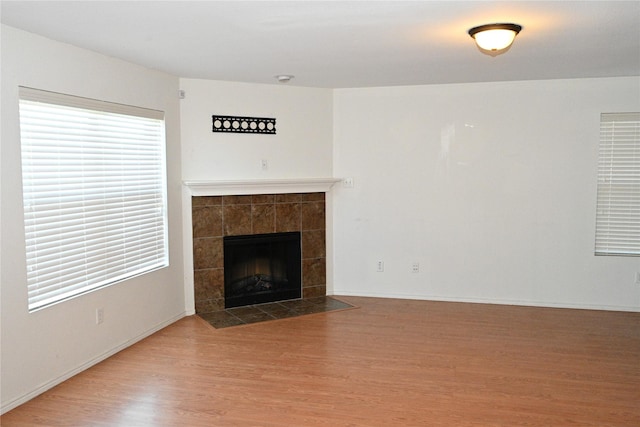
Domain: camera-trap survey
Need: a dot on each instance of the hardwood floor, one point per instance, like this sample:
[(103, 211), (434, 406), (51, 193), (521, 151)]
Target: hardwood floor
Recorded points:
[(387, 363)]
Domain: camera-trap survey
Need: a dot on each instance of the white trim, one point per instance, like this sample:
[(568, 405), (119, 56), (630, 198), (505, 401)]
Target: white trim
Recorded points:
[(338, 292), (73, 101), (54, 382), (187, 252), (243, 187)]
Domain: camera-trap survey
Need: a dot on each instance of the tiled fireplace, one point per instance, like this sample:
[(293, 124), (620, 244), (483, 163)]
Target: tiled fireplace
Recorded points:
[(214, 217)]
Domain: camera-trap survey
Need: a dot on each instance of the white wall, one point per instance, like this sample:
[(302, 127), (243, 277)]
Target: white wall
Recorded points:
[(491, 187), (300, 149), (42, 348)]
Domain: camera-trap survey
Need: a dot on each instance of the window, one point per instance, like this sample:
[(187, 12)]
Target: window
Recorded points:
[(618, 202), (94, 191)]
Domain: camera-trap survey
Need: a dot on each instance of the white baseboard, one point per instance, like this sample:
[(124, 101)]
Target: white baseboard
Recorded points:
[(489, 301), (54, 382)]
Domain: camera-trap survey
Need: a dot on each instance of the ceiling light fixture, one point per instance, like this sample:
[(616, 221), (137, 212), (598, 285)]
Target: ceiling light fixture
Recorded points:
[(494, 37)]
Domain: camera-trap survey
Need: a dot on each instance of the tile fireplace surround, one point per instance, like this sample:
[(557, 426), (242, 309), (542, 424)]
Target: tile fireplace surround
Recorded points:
[(214, 217)]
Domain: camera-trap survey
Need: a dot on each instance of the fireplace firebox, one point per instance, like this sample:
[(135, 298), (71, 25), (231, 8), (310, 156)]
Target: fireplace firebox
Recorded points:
[(262, 268)]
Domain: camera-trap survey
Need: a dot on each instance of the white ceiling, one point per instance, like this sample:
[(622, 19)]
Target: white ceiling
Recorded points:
[(337, 44)]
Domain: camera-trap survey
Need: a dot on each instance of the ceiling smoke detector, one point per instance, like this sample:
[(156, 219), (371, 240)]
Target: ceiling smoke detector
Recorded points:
[(284, 78)]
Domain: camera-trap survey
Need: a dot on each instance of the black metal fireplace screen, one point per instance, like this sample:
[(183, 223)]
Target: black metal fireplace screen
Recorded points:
[(262, 268)]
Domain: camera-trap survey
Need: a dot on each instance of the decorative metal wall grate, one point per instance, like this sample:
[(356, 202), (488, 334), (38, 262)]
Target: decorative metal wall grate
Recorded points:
[(238, 124)]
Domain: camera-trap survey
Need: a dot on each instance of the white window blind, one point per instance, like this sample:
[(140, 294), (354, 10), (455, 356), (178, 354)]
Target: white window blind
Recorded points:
[(94, 191), (618, 201)]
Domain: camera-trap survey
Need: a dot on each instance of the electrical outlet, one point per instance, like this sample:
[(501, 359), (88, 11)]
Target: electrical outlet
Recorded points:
[(265, 164), (380, 266), (347, 182), (415, 267), (99, 316)]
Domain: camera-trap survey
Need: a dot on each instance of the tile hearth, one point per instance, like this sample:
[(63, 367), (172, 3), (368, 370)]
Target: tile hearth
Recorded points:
[(272, 311)]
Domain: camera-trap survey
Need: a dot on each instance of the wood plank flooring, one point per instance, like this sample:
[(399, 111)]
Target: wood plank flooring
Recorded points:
[(386, 363)]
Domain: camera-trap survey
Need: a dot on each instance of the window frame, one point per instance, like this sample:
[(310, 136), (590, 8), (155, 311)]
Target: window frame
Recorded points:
[(111, 158), (618, 185)]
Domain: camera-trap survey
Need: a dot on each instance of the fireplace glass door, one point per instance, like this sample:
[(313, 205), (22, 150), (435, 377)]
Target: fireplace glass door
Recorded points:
[(262, 268)]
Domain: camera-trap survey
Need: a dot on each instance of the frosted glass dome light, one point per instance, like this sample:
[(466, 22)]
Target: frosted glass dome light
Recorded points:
[(494, 37)]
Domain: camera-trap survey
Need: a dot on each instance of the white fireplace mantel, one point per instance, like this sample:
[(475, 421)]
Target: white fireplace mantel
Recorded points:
[(260, 186)]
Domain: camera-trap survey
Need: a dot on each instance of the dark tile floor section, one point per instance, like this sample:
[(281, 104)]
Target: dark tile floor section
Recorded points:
[(271, 311)]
